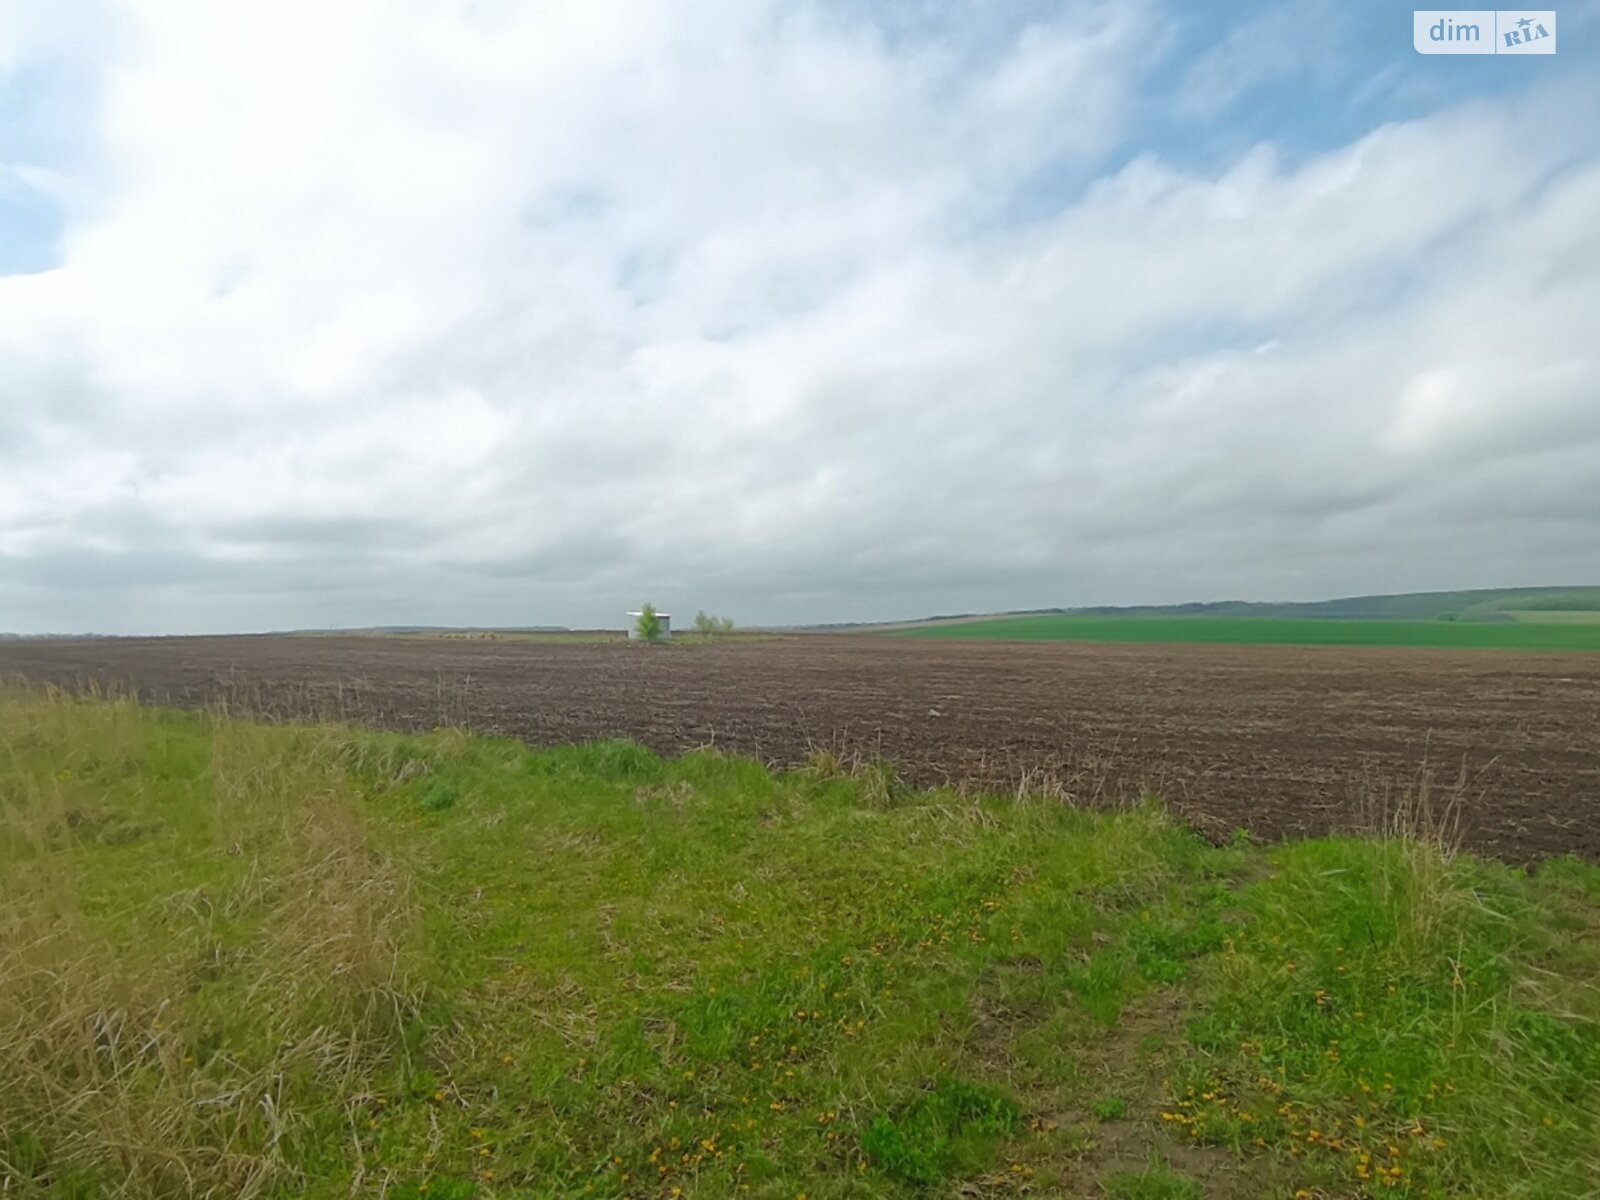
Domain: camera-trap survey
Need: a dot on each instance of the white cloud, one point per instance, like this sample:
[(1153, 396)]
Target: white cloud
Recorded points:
[(507, 312)]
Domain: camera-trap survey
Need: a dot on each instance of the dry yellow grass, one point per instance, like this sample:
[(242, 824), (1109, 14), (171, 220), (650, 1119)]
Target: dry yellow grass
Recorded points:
[(114, 1063)]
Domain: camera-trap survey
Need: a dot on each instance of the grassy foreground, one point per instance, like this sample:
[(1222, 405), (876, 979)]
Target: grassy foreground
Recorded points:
[(244, 960), (1541, 631)]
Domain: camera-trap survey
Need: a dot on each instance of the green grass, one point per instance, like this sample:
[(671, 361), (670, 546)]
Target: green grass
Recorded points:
[(1508, 635), (1553, 616), (250, 960), (1476, 604), (1109, 1108), (1583, 599), (1155, 1182)]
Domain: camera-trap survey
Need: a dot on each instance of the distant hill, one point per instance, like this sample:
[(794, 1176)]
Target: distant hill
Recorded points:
[(1477, 605), (1481, 604)]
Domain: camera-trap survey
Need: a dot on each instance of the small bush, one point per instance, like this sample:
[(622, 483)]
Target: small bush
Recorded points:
[(710, 626), (648, 627)]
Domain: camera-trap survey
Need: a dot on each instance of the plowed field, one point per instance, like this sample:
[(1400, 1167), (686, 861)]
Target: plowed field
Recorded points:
[(1274, 739)]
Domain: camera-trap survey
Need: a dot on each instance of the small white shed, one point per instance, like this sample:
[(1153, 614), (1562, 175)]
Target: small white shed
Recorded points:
[(664, 618)]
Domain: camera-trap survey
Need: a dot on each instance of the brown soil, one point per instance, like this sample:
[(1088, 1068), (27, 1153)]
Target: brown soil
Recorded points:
[(1277, 740)]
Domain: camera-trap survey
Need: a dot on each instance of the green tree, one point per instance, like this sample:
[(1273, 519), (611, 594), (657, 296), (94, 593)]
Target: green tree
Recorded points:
[(648, 626), (712, 626)]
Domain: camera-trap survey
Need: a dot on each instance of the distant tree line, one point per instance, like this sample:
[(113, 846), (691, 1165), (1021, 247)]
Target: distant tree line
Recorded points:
[(712, 626)]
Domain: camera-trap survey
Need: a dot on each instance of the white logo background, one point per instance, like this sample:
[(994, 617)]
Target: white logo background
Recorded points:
[(1484, 31)]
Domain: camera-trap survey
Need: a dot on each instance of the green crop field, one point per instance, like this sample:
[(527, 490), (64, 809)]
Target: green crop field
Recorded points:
[(1543, 633), (1545, 616), (246, 960)]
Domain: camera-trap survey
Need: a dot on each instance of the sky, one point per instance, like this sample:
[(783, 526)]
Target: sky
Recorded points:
[(497, 312)]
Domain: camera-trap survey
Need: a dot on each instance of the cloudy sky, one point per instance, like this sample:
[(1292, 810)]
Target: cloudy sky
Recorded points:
[(496, 312)]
